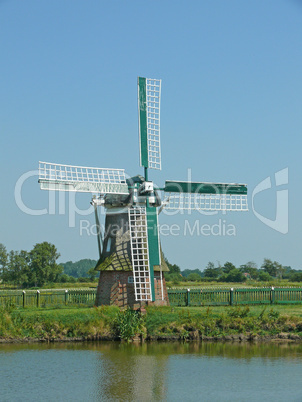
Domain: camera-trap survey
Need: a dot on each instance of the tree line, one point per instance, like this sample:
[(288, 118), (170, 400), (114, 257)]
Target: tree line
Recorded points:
[(269, 270), (38, 267), (30, 268)]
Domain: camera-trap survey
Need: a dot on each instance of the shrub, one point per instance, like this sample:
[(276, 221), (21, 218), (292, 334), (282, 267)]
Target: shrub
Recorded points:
[(264, 276), (239, 312), (128, 323), (64, 278), (296, 277), (83, 280), (194, 277)]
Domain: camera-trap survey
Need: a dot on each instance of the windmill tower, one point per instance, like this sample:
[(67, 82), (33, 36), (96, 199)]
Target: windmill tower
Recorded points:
[(131, 264)]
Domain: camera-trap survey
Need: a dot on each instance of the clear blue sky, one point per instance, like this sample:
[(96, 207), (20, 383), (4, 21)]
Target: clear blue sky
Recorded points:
[(231, 112)]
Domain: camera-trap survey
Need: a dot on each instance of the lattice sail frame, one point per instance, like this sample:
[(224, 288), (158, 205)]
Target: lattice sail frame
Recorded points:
[(149, 94), (153, 122), (140, 253), (206, 202), (54, 176)]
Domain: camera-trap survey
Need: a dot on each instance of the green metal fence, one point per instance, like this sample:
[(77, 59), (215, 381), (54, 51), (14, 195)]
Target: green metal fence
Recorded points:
[(177, 297), (234, 297), (48, 298)]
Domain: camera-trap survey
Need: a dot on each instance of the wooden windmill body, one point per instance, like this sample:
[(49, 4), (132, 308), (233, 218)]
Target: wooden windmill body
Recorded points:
[(116, 281), (130, 258)]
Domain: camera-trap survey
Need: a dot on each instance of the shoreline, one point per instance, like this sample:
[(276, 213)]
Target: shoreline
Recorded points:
[(157, 324), (234, 338)]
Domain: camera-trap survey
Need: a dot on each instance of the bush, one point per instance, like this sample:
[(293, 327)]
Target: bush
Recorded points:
[(84, 280), (64, 278), (128, 323), (233, 276), (238, 312), (194, 277), (174, 278), (296, 277), (264, 276)]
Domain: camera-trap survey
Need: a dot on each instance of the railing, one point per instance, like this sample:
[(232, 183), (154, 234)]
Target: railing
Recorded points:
[(48, 298), (177, 297), (234, 297)]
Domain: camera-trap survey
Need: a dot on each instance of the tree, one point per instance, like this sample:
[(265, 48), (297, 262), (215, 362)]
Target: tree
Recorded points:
[(269, 267), (250, 268), (287, 272), (43, 264), (64, 278), (274, 269), (211, 271), (194, 277), (3, 259), (79, 268), (280, 269), (264, 276), (228, 266), (173, 268), (16, 271), (186, 272), (174, 277), (93, 274), (235, 275), (296, 276)]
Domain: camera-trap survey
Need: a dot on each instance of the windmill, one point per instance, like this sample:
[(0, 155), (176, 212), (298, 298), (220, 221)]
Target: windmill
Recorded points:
[(131, 262)]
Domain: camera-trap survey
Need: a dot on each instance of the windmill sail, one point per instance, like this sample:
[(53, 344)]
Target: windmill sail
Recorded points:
[(53, 176), (140, 253), (149, 91), (206, 196), (154, 246)]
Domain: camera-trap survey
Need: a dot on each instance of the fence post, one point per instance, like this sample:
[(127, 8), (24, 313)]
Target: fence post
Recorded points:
[(231, 296), (272, 295), (23, 298), (66, 297), (188, 297), (38, 298)]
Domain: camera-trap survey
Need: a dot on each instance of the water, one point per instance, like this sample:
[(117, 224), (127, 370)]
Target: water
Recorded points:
[(151, 372)]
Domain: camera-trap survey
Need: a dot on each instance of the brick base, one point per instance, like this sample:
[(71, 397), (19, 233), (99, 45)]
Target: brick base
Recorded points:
[(114, 289)]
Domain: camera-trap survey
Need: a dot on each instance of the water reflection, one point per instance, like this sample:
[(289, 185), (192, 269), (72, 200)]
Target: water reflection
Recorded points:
[(132, 372), (150, 372)]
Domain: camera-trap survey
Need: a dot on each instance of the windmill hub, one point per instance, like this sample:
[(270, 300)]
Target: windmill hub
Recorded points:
[(133, 250), (147, 187)]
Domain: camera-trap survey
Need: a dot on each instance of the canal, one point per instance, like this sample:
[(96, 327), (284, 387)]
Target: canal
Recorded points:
[(151, 372)]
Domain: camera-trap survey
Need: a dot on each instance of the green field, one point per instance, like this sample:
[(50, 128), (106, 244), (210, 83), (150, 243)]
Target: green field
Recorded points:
[(171, 285)]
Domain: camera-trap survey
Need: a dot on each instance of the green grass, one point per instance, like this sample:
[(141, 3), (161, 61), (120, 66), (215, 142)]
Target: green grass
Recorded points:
[(224, 320), (180, 285), (92, 323), (295, 310), (56, 323)]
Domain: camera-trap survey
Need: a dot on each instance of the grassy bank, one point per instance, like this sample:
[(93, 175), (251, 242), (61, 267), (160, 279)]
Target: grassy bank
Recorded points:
[(61, 323), (225, 323), (230, 323)]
